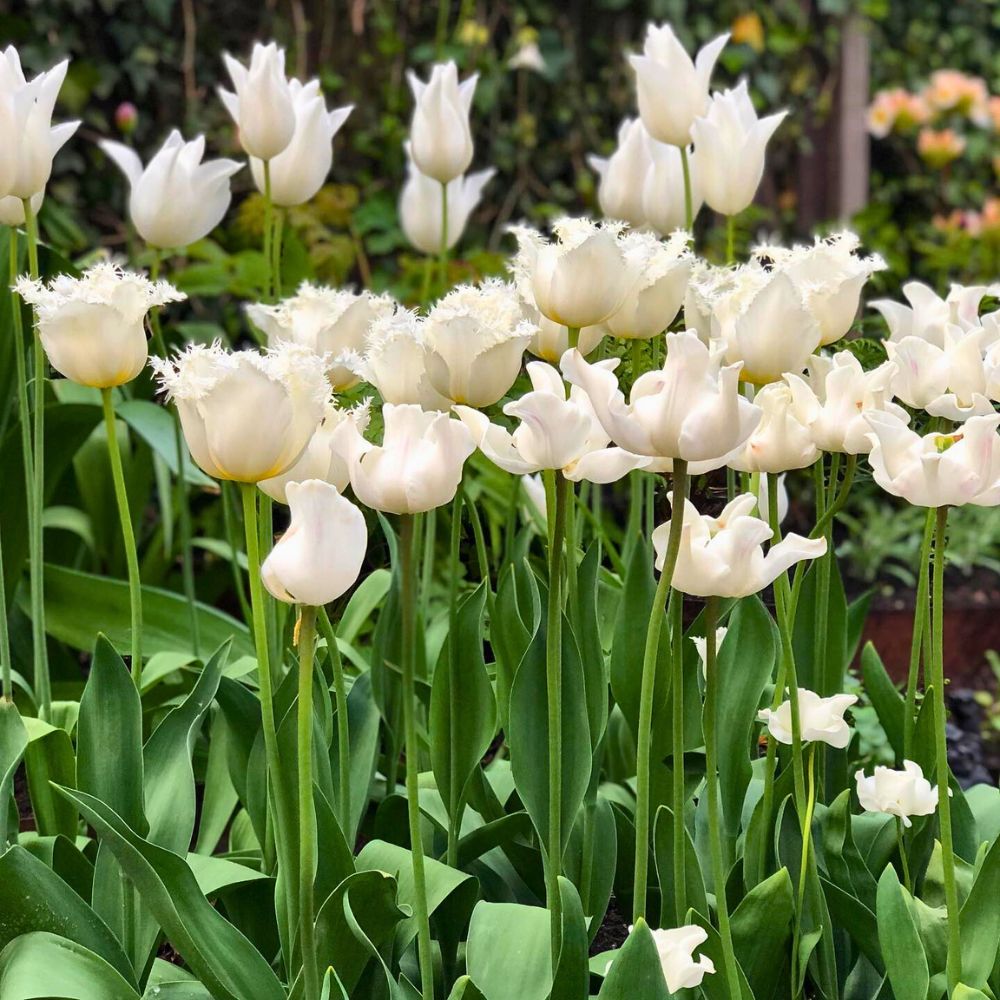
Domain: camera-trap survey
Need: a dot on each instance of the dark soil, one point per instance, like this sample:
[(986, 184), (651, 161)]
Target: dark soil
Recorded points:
[(613, 931)]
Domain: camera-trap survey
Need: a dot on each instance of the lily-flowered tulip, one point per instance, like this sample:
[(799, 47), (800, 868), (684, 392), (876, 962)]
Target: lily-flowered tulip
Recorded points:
[(440, 136), (676, 947), (581, 277), (691, 409), (176, 199), (300, 169), (555, 432), (420, 212), (331, 322), (623, 174), (927, 315), (324, 456), (261, 102), (781, 441), (475, 339), (246, 416), (663, 188), (821, 720), (937, 470), (903, 793), (731, 143), (724, 557), (835, 396), (93, 327), (673, 90), (319, 557), (417, 467)]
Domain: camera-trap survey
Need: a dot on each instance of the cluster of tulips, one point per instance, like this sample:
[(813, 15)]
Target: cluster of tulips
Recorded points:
[(733, 366)]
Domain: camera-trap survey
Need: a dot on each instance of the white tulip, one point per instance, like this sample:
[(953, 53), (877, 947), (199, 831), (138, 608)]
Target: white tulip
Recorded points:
[(663, 188), (623, 174), (762, 501), (319, 557), (579, 279), (903, 793), (331, 322), (710, 286), (93, 327), (937, 470), (246, 416), (420, 207), (821, 720), (731, 143), (475, 338), (701, 645), (417, 467), (781, 441), (528, 56), (300, 169), (534, 495), (676, 947), (555, 432), (176, 200), (324, 456), (673, 90), (261, 102), (723, 556), (835, 396), (12, 209), (440, 136), (927, 314), (690, 409)]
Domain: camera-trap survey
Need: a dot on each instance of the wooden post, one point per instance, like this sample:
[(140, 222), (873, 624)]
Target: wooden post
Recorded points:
[(853, 139)]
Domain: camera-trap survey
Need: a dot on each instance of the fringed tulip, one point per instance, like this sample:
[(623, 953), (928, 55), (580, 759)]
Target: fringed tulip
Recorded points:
[(821, 720)]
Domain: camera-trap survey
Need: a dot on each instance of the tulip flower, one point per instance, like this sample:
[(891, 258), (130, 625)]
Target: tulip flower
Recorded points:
[(676, 947), (420, 209), (12, 209), (176, 200), (691, 409), (578, 280), (937, 470), (555, 432), (474, 339), (319, 557), (246, 416), (731, 143), (835, 396), (261, 103), (762, 501), (927, 314), (332, 323), (623, 174), (440, 137), (93, 327), (528, 56), (324, 456), (300, 169), (701, 644), (417, 467), (663, 188), (723, 556), (673, 90), (781, 441), (903, 793), (821, 720), (551, 340)]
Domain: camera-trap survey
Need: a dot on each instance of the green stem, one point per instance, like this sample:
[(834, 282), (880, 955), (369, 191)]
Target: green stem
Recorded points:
[(425, 284), (903, 860), (806, 832), (412, 750), (230, 530), (482, 558), (648, 685), (678, 797), (712, 791), (443, 253), (279, 230), (454, 792), (343, 727), (920, 628), (730, 238), (688, 205), (268, 232), (572, 337)]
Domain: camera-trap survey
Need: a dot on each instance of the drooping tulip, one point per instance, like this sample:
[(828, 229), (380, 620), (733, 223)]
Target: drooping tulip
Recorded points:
[(319, 557), (821, 720), (246, 415), (673, 90), (300, 169), (781, 441), (724, 557), (176, 200), (555, 432), (261, 102), (93, 327), (622, 175), (331, 322), (904, 793), (417, 467), (663, 188), (731, 143), (440, 136)]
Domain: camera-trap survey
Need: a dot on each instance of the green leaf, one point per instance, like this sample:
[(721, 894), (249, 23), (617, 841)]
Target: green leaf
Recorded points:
[(363, 727), (465, 989), (13, 740), (963, 992), (596, 674), (603, 857), (516, 613), (762, 930), (49, 758), (857, 919), (636, 971), (715, 987), (663, 847), (572, 977), (522, 968), (905, 962), (979, 921), (886, 700), (368, 595), (156, 426)]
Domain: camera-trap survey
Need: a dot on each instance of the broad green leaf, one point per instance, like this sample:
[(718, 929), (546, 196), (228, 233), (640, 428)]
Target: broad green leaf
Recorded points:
[(964, 992), (572, 977), (636, 971), (520, 969), (368, 595), (980, 922), (49, 757), (215, 875), (905, 962), (495, 833), (715, 986), (858, 920), (511, 629), (65, 859), (219, 797), (13, 740), (762, 930), (156, 426), (882, 693), (363, 729), (169, 982), (594, 875), (596, 674), (663, 847), (465, 989)]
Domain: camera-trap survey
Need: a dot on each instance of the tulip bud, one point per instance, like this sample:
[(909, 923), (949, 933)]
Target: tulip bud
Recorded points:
[(176, 200), (821, 720), (440, 137), (319, 557), (663, 188), (622, 175), (93, 327), (672, 89), (903, 793), (262, 106), (331, 323), (126, 117), (246, 416), (781, 441), (300, 169)]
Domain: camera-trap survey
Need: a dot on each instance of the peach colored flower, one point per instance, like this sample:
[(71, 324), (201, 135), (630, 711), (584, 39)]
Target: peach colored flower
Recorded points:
[(939, 147)]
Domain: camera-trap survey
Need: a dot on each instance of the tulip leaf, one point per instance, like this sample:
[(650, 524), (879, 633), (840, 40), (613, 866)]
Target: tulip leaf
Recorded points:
[(13, 740), (596, 676), (857, 919), (603, 844), (522, 968), (156, 426), (516, 613), (905, 961), (465, 989), (663, 846), (636, 970), (980, 921), (48, 757), (885, 699), (572, 977), (715, 986), (762, 930)]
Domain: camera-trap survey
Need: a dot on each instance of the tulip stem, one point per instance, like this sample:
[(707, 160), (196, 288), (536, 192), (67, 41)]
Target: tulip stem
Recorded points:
[(712, 791), (688, 202), (454, 792), (920, 626), (343, 727), (730, 239), (307, 807), (443, 254), (954, 961), (572, 337), (903, 860), (128, 536), (43, 684), (279, 231), (482, 556), (806, 832), (648, 686), (412, 750), (268, 232)]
